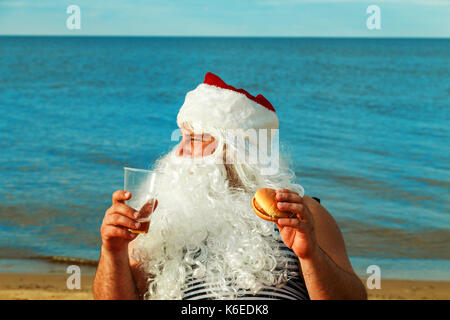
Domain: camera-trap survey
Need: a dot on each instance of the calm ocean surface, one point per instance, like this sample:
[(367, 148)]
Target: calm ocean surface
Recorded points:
[(366, 124)]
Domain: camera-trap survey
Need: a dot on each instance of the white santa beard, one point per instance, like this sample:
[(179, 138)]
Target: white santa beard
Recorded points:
[(203, 230)]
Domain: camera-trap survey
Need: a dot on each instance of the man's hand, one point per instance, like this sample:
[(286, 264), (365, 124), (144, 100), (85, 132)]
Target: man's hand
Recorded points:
[(118, 219), (114, 278), (296, 232)]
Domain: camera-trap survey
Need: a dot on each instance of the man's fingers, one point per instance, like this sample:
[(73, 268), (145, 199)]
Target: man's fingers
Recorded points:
[(289, 197), (120, 196), (280, 228), (122, 209), (295, 208), (121, 221), (110, 232), (289, 222), (285, 191)]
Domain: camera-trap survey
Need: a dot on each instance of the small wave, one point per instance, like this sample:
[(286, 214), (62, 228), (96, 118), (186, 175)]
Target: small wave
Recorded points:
[(368, 187), (67, 260), (367, 240), (431, 182)]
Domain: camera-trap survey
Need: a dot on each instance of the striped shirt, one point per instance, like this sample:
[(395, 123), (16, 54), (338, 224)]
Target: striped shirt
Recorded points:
[(293, 289)]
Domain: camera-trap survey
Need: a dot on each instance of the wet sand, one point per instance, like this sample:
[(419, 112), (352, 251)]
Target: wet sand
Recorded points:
[(411, 290), (24, 286), (15, 286)]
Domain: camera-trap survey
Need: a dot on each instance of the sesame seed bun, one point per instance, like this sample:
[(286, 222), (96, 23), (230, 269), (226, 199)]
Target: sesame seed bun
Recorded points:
[(264, 204)]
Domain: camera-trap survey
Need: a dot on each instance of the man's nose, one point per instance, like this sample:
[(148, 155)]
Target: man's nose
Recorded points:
[(183, 149)]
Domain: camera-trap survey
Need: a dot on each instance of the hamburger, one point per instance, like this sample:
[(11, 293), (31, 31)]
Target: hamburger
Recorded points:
[(264, 204)]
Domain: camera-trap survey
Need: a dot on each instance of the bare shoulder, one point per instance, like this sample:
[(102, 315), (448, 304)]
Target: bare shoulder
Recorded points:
[(328, 234), (138, 273)]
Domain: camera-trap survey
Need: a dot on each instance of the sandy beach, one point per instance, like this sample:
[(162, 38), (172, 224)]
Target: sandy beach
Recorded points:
[(16, 286)]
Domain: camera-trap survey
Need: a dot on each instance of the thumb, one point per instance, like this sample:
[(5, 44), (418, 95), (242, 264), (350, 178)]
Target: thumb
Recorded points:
[(120, 196)]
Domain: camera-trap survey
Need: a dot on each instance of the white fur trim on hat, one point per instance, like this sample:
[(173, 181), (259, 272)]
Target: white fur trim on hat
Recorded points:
[(210, 105)]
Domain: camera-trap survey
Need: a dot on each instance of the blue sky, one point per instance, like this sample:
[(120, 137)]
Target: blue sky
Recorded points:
[(327, 18)]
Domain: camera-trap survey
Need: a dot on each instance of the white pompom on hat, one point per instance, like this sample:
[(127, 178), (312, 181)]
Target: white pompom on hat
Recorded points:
[(216, 104)]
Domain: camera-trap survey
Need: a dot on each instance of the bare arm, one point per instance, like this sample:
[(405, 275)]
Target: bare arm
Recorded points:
[(116, 271), (328, 272), (315, 238), (114, 279), (326, 280)]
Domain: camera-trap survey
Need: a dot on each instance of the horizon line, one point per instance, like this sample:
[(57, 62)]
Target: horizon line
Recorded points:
[(218, 36)]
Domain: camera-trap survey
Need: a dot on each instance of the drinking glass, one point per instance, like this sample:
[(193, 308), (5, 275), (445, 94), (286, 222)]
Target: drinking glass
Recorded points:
[(141, 184)]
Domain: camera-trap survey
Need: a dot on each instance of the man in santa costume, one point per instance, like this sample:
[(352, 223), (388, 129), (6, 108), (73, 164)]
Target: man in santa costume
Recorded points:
[(204, 240)]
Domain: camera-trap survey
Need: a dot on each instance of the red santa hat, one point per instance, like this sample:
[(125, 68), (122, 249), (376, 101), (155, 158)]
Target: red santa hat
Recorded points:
[(216, 104)]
